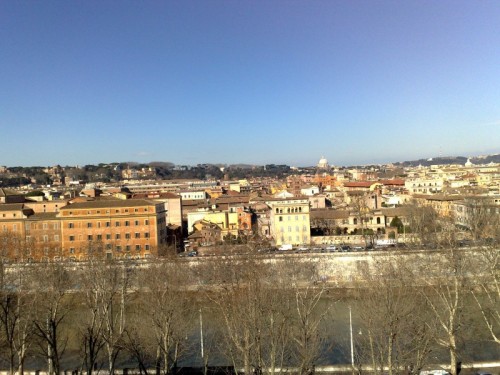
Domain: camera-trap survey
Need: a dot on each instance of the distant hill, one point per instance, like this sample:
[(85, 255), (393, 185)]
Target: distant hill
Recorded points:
[(485, 159)]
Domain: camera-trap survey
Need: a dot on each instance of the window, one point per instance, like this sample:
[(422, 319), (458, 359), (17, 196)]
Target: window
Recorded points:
[(127, 236), (289, 228), (137, 235), (127, 248), (137, 247), (71, 250), (108, 236), (281, 218), (71, 225), (89, 237), (98, 224), (45, 238), (45, 226), (146, 222), (99, 237), (108, 224), (146, 247), (118, 248), (136, 222), (127, 223), (146, 235), (117, 236), (71, 238), (89, 225), (117, 223), (108, 246)]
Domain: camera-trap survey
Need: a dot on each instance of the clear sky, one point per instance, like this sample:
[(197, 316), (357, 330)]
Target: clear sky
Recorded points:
[(261, 81)]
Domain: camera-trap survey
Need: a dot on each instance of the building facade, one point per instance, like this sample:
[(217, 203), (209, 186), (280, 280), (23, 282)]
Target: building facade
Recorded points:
[(289, 221)]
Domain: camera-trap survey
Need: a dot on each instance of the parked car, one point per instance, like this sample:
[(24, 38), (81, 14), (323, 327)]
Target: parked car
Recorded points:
[(331, 248), (345, 248)]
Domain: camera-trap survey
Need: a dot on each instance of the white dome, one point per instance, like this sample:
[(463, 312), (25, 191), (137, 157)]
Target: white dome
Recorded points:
[(323, 163)]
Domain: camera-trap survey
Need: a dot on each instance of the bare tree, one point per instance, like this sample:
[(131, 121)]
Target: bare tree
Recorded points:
[(167, 306), (480, 216), (308, 336), (486, 288), (111, 285), (392, 319), (92, 318), (424, 224), (16, 309), (445, 293), (254, 313), (52, 286)]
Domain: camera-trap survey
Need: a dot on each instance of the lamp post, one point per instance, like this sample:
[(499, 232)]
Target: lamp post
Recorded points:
[(352, 342)]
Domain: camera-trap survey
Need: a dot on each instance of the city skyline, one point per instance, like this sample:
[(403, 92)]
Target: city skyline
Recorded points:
[(247, 82)]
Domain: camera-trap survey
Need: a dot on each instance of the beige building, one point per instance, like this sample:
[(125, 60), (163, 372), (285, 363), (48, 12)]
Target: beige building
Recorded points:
[(290, 221)]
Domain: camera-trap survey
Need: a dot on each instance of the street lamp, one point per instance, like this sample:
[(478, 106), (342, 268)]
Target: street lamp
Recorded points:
[(352, 342)]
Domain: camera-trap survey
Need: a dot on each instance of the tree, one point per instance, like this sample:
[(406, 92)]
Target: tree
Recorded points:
[(486, 292), (168, 309), (397, 223), (393, 317), (445, 293), (111, 285), (52, 286), (307, 334), (424, 224), (479, 215), (91, 328), (16, 309), (248, 298)]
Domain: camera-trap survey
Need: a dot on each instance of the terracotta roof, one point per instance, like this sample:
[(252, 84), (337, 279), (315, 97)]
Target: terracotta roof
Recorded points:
[(396, 181), (109, 203), (44, 216), (11, 206), (397, 211), (365, 184), (329, 214)]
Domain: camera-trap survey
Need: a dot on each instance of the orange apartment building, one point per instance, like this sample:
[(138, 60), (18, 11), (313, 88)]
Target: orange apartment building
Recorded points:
[(111, 228)]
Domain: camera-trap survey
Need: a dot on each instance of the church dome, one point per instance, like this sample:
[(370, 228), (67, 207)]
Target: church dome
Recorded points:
[(323, 163)]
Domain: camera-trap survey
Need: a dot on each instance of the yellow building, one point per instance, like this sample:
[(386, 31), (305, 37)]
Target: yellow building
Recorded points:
[(227, 221)]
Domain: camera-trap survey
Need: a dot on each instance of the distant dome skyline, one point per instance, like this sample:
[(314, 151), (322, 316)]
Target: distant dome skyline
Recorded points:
[(323, 163)]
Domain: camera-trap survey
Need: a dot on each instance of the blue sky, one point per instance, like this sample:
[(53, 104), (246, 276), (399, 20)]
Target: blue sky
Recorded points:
[(204, 81)]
